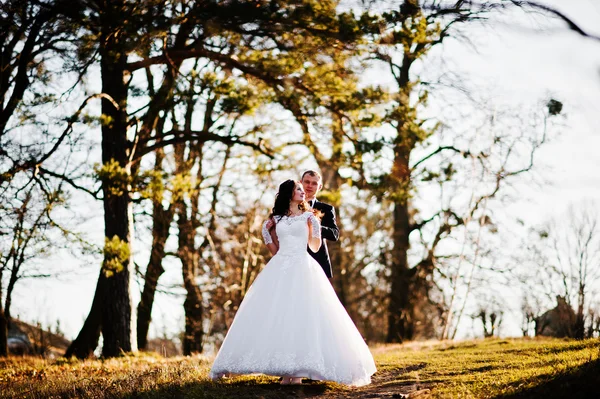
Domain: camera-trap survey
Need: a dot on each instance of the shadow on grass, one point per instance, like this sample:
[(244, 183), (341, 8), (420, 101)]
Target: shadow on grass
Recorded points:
[(457, 347), (240, 389), (470, 370), (536, 351), (388, 368), (581, 382)]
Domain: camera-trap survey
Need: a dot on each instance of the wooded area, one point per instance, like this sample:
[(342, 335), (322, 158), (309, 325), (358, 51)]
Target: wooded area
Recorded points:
[(179, 116)]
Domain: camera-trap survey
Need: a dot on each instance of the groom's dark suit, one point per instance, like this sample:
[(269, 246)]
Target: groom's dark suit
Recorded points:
[(329, 231)]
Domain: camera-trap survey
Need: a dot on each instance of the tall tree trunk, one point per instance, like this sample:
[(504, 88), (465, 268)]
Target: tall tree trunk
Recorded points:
[(579, 317), (187, 252), (194, 331), (112, 308), (161, 219), (192, 339), (399, 320), (9, 290), (398, 317), (160, 232), (117, 326)]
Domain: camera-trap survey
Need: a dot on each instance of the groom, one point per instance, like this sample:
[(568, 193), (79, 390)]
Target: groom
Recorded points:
[(312, 183)]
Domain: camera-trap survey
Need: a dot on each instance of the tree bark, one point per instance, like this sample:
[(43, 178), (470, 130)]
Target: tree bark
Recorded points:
[(161, 218), (112, 307), (117, 326), (160, 232), (399, 321), (192, 339), (9, 290), (579, 332), (400, 325), (194, 331)]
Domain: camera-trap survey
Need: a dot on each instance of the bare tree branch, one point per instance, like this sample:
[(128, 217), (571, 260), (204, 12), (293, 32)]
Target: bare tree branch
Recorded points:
[(570, 23), (440, 149), (182, 136), (70, 181), (36, 163)]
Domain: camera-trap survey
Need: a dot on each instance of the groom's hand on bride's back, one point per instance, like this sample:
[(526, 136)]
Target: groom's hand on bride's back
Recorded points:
[(319, 215), (270, 224)]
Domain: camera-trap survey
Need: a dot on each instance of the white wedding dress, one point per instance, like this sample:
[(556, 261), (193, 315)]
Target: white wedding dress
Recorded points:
[(291, 322)]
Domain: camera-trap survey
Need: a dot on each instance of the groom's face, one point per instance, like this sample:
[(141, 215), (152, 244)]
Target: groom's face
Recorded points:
[(312, 185)]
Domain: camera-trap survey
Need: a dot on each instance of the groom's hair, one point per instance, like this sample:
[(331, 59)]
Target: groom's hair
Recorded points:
[(312, 173)]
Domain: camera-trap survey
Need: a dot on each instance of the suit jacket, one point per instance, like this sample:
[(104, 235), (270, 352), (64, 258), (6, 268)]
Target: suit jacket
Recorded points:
[(329, 231)]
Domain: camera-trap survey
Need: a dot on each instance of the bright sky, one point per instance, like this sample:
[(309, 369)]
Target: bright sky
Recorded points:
[(518, 66), (566, 67)]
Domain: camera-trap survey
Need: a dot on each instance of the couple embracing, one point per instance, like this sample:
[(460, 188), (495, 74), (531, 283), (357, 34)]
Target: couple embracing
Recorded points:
[(290, 322)]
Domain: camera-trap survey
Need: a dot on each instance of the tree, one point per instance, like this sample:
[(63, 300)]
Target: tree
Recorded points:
[(330, 114), (162, 218), (419, 152), (114, 40), (402, 38), (224, 102), (33, 32), (27, 241), (239, 35), (564, 255)]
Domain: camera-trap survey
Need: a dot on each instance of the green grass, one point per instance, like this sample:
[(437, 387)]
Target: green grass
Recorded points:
[(495, 368), (509, 368)]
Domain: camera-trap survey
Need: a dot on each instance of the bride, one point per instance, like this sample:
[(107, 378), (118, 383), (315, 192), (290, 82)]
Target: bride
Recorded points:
[(291, 323)]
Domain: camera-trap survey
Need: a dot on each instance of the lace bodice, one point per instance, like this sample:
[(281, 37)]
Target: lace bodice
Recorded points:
[(292, 232)]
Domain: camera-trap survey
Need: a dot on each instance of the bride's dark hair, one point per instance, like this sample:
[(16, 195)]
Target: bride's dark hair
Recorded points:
[(284, 197)]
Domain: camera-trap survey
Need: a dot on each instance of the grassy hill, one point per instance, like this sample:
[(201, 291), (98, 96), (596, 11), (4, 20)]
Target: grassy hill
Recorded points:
[(498, 368)]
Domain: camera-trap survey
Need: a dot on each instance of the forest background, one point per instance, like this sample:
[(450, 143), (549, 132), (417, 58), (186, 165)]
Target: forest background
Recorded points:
[(141, 144)]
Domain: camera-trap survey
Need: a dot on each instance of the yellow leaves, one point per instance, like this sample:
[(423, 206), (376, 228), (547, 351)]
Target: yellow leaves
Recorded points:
[(115, 177), (150, 184), (116, 255), (415, 35), (401, 194), (331, 197), (106, 120), (26, 372), (154, 184), (181, 185)]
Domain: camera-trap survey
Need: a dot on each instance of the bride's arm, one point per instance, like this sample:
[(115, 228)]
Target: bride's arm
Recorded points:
[(270, 237), (274, 246), (314, 235)]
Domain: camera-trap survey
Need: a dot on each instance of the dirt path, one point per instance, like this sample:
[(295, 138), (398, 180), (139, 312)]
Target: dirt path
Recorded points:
[(384, 385)]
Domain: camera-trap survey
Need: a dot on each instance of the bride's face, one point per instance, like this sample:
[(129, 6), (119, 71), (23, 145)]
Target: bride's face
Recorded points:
[(298, 193)]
